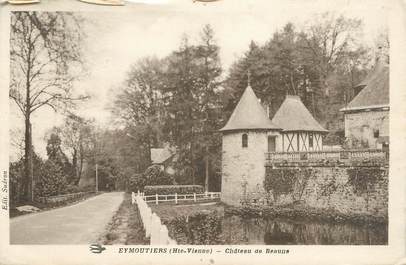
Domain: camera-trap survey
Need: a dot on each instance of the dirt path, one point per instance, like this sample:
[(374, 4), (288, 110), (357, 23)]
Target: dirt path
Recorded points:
[(81, 223), (125, 228)]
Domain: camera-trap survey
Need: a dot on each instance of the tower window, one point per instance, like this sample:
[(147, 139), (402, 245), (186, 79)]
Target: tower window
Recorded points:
[(245, 140)]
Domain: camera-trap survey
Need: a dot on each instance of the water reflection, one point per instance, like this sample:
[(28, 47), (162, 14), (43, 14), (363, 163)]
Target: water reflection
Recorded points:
[(237, 230)]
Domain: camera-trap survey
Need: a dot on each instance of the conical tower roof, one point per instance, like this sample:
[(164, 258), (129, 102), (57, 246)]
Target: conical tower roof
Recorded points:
[(294, 116), (249, 115)]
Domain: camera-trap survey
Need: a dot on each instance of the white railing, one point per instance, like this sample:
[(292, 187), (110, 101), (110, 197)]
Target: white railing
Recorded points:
[(327, 155), (195, 197), (154, 229)]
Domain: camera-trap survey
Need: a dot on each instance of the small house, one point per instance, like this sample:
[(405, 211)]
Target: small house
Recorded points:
[(366, 117), (164, 157)]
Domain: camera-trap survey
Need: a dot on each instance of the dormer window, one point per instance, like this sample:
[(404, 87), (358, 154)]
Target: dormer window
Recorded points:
[(244, 140)]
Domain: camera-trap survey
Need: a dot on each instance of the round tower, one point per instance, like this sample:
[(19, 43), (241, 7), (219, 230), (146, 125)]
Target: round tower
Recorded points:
[(247, 136)]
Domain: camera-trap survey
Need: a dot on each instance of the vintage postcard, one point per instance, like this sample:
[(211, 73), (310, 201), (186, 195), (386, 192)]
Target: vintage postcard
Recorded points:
[(203, 132)]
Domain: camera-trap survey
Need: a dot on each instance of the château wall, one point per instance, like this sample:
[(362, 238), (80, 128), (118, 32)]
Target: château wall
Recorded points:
[(361, 189), (361, 126)]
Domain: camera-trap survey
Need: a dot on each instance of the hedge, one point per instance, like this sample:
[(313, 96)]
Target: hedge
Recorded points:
[(172, 189), (196, 229)]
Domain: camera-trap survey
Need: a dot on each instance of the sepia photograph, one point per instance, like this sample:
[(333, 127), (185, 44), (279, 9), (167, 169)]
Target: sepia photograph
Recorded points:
[(167, 126)]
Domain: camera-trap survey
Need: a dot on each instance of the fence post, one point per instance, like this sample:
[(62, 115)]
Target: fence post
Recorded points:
[(155, 231), (156, 198), (176, 198), (148, 222), (163, 235), (194, 197), (172, 242), (211, 195), (132, 197)]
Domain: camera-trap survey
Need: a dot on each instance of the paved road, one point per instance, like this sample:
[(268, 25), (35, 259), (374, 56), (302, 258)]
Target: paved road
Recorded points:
[(80, 223)]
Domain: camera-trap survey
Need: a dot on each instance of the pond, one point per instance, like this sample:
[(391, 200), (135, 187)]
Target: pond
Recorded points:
[(237, 230)]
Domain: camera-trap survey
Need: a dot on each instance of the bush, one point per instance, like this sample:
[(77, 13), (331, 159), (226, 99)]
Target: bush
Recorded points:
[(197, 229), (172, 189), (16, 174), (136, 182), (153, 175), (51, 180), (72, 189), (364, 179), (286, 180)]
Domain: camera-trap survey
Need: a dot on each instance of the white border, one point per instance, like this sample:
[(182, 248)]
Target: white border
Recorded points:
[(391, 254)]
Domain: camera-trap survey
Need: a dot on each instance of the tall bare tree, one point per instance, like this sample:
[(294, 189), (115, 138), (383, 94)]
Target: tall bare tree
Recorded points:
[(328, 39), (46, 57)]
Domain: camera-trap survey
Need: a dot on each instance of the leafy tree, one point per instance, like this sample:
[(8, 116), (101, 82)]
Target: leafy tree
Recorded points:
[(77, 134), (57, 156), (45, 58), (16, 173), (320, 64), (51, 180), (140, 105), (153, 175), (194, 109)]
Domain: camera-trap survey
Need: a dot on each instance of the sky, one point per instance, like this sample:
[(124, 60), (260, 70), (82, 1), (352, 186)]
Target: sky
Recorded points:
[(116, 39)]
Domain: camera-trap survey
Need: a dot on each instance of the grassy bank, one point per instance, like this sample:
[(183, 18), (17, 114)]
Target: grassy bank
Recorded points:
[(126, 227), (291, 211), (42, 206), (169, 211), (301, 212)]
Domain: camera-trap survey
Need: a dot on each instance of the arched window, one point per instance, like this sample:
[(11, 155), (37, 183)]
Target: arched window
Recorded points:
[(245, 140)]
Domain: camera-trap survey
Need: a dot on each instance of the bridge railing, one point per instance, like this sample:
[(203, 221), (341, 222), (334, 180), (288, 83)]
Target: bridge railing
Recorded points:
[(342, 155), (176, 198)]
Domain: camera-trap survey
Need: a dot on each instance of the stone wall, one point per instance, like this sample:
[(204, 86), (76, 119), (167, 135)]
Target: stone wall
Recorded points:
[(361, 125), (333, 187)]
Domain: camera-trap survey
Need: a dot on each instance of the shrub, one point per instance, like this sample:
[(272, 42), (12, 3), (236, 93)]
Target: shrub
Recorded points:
[(153, 175), (286, 180), (198, 229), (280, 180), (72, 189), (172, 189), (51, 180), (136, 182), (16, 174), (363, 179)]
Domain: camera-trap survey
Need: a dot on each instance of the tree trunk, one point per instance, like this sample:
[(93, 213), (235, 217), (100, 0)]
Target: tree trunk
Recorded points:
[(75, 166), (29, 179), (80, 171), (206, 182)]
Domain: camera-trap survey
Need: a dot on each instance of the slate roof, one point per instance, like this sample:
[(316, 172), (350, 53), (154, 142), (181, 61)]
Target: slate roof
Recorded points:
[(294, 116), (249, 114), (160, 155), (375, 93)]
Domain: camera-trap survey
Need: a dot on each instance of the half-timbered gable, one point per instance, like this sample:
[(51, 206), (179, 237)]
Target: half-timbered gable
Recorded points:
[(301, 132)]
